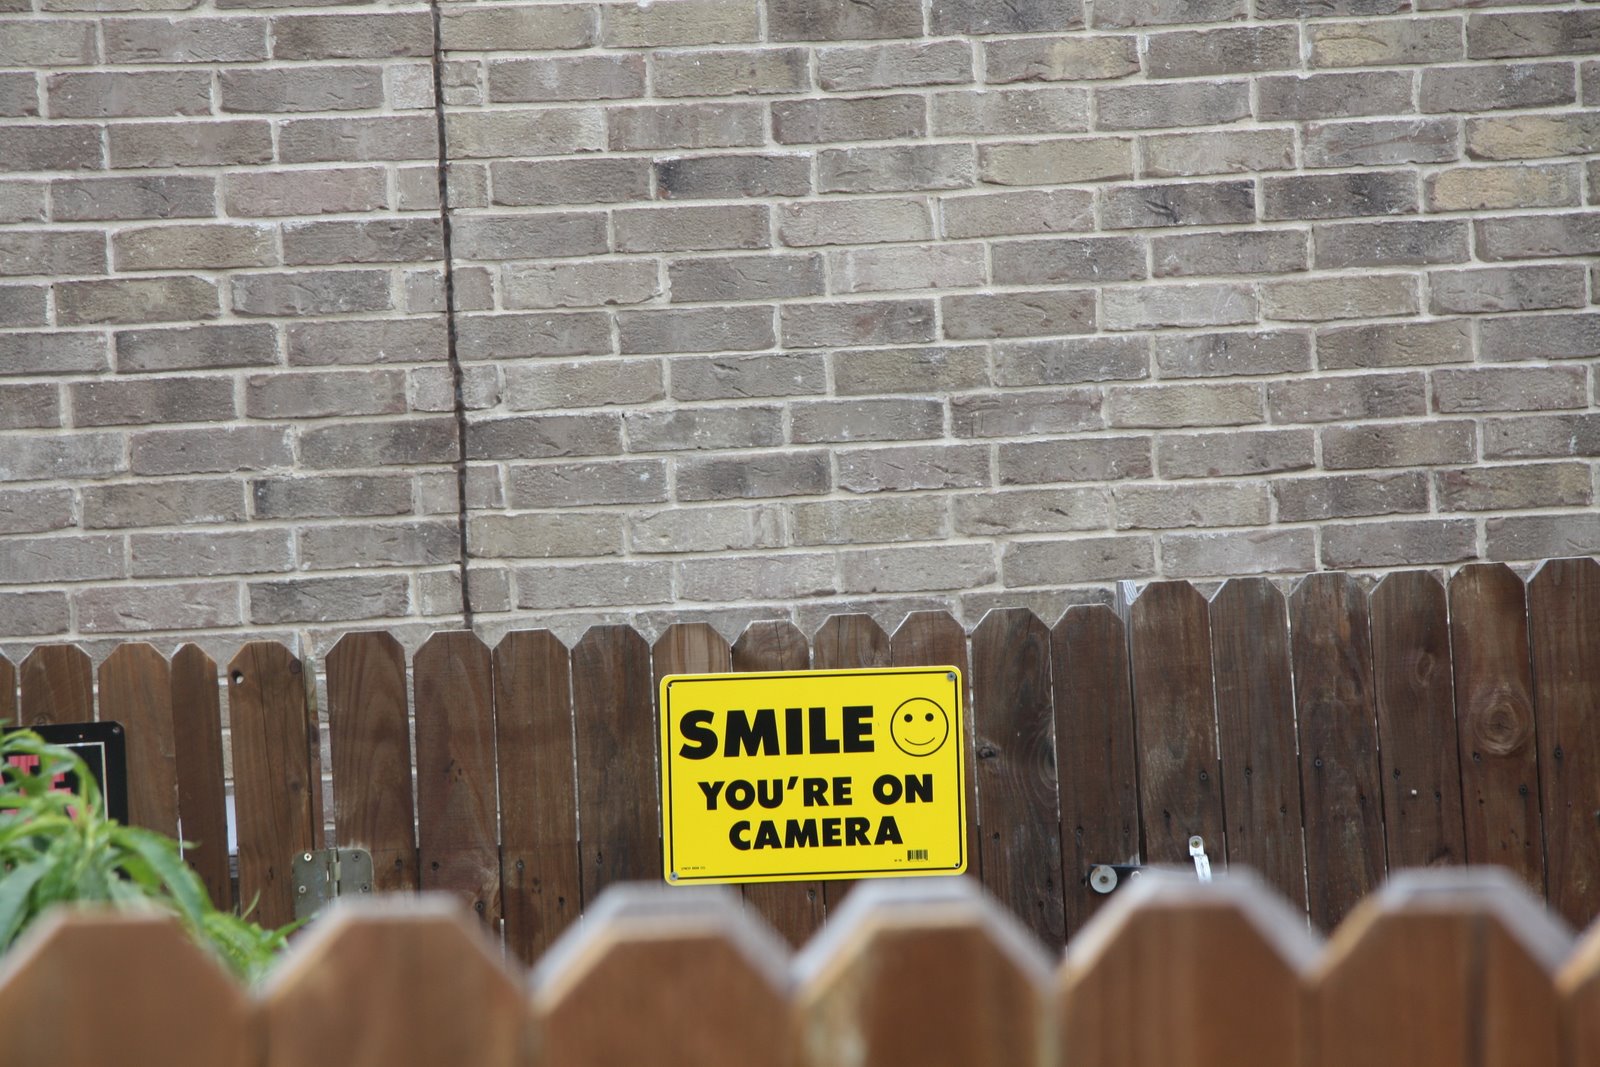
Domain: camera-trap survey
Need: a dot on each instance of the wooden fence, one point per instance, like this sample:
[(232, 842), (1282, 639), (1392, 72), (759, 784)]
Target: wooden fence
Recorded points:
[(1438, 969), (1321, 738)]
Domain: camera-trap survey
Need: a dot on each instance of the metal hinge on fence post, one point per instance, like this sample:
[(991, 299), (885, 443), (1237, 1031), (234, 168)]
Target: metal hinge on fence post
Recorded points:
[(326, 873), (1105, 877)]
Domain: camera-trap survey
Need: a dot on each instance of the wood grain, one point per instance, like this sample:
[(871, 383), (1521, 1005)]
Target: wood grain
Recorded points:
[(57, 686), (136, 691), (8, 693), (202, 797), (613, 709)]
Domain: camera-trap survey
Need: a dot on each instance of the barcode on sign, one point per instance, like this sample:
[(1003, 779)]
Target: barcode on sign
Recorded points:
[(916, 854)]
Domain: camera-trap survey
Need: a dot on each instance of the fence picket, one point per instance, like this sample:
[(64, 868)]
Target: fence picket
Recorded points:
[(136, 691), (1339, 783), (1093, 699), (1014, 731), (1257, 738), (202, 797), (8, 692), (1578, 985), (1494, 719), (277, 780), (57, 686), (1563, 606), (795, 909), (618, 791), (539, 882), (370, 738), (458, 832)]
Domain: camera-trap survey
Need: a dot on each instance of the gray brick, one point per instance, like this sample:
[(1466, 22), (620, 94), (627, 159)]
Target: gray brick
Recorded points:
[(29, 407), (1507, 289), (26, 511), (1167, 507), (389, 240), (52, 353), (943, 266), (732, 175), (706, 529), (325, 394), (1538, 236), (50, 148), (1307, 9), (532, 132), (872, 470), (497, 237), (1541, 436), (213, 450), (35, 612), (130, 94), (1399, 543), (305, 600), (1343, 496), (1013, 414), (1027, 213), (1238, 252), (739, 329), (309, 496), (1405, 344), (923, 369), (189, 144), (1081, 559), (1536, 537), (518, 28), (547, 334), (1056, 161), (890, 66), (309, 292), (556, 586), (1031, 511), (1124, 14), (376, 35), (1149, 107), (211, 553), (1491, 87), (587, 383), (51, 252), (168, 606), (1331, 196), (957, 17), (391, 544), (568, 484), (788, 575), (1347, 396), (196, 348), (725, 73), (52, 458), (1236, 453), (725, 278), (1015, 112), (1183, 155), (1206, 304), (47, 43), (1513, 487), (686, 126), (126, 301), (758, 475), (1533, 33), (709, 429), (1192, 404), (1063, 259), (269, 193), (342, 88), (1322, 299), (379, 444), (915, 569), (875, 519), (1072, 361), (1059, 58), (1369, 43), (151, 400), (163, 502), (1333, 96), (629, 25), (22, 202), (1533, 136), (1196, 555), (853, 221), (361, 140), (690, 229), (1388, 244), (1231, 50), (213, 247), (574, 284), (1510, 389), (1522, 186), (569, 181), (799, 20), (528, 437), (1381, 144), (1084, 459), (1435, 443), (1018, 314), (23, 305), (1519, 337), (864, 118), (582, 77), (736, 377), (184, 39), (877, 322)]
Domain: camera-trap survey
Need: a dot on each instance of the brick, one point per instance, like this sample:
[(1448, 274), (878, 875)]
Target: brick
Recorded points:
[(190, 144), (146, 196), (314, 292), (193, 247), (379, 35), (1172, 406), (1417, 444), (540, 436), (706, 529), (360, 140), (695, 330), (35, 612), (51, 252), (1533, 33), (1348, 396), (1507, 289), (133, 94), (798, 20), (517, 28), (1166, 507), (733, 175), (1343, 496), (1061, 160), (1206, 304), (36, 457), (691, 22), (1333, 96), (725, 72), (1492, 87), (914, 569), (1059, 58), (212, 450), (543, 132), (409, 86), (735, 377), (876, 519), (342, 88), (1125, 14), (499, 237), (1082, 459), (152, 400), (1393, 42), (569, 181), (923, 369), (309, 496), (50, 148), (1147, 107), (587, 383), (1018, 314), (546, 334), (1230, 50), (387, 240), (1538, 236), (267, 193), (1026, 213), (866, 118), (726, 278), (685, 229), (167, 606), (581, 77), (1081, 559), (196, 348), (211, 553), (1381, 144), (860, 68), (895, 169), (686, 126), (48, 43), (845, 222), (1510, 389), (1541, 436), (1537, 537), (1322, 299), (163, 502), (184, 39), (1086, 259), (1012, 414), (1332, 196), (989, 514), (923, 267), (1178, 204), (380, 444), (1515, 187), (569, 484), (23, 305), (788, 575), (1399, 543), (1220, 355), (1239, 252), (593, 585), (1520, 337), (325, 394), (1533, 136), (29, 407), (1183, 155), (22, 202), (408, 544), (1015, 112), (1515, 486), (127, 301), (579, 284), (1390, 244), (757, 475), (303, 600), (1195, 555), (909, 467), (857, 323), (1236, 453), (980, 17), (1402, 344), (52, 353)]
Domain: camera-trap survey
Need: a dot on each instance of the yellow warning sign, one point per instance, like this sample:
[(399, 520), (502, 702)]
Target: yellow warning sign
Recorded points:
[(812, 774)]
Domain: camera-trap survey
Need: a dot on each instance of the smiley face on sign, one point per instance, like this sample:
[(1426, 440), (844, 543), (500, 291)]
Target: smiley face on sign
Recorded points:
[(919, 727)]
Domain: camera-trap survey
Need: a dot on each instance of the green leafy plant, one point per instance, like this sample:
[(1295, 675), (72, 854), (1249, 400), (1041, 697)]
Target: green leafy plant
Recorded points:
[(59, 847)]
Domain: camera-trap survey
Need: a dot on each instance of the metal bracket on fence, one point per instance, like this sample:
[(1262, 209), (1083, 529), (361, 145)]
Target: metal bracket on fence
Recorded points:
[(1105, 877), (326, 873), (1202, 863)]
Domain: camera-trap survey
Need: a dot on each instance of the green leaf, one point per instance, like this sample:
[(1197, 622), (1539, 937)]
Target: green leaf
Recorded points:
[(15, 889)]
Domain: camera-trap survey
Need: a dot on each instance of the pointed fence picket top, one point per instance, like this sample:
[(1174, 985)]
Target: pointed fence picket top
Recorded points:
[(86, 987), (412, 983), (656, 975), (1186, 973), (1578, 985), (1441, 968), (57, 686), (923, 971), (197, 741), (136, 691)]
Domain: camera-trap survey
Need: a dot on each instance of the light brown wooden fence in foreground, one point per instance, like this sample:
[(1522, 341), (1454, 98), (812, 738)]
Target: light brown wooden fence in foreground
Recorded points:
[(1322, 738), (1438, 969)]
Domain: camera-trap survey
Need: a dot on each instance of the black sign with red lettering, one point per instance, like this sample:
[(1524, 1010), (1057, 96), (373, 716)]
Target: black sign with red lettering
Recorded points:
[(103, 747)]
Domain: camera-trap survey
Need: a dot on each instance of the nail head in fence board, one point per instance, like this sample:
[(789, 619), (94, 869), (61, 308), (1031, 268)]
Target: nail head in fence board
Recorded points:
[(688, 979), (458, 832), (1494, 720), (370, 738), (202, 799), (1094, 752), (1180, 791), (136, 691), (1564, 627), (89, 987), (1442, 968), (1202, 974), (402, 983), (618, 793), (795, 909), (276, 775), (926, 972), (934, 639), (57, 686), (1339, 783), (1256, 733), (539, 880), (1415, 689), (1013, 723)]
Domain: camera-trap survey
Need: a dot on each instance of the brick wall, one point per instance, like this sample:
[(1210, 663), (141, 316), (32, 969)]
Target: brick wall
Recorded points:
[(777, 307)]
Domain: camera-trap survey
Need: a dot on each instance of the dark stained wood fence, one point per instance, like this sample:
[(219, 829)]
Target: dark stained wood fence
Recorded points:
[(1324, 738)]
